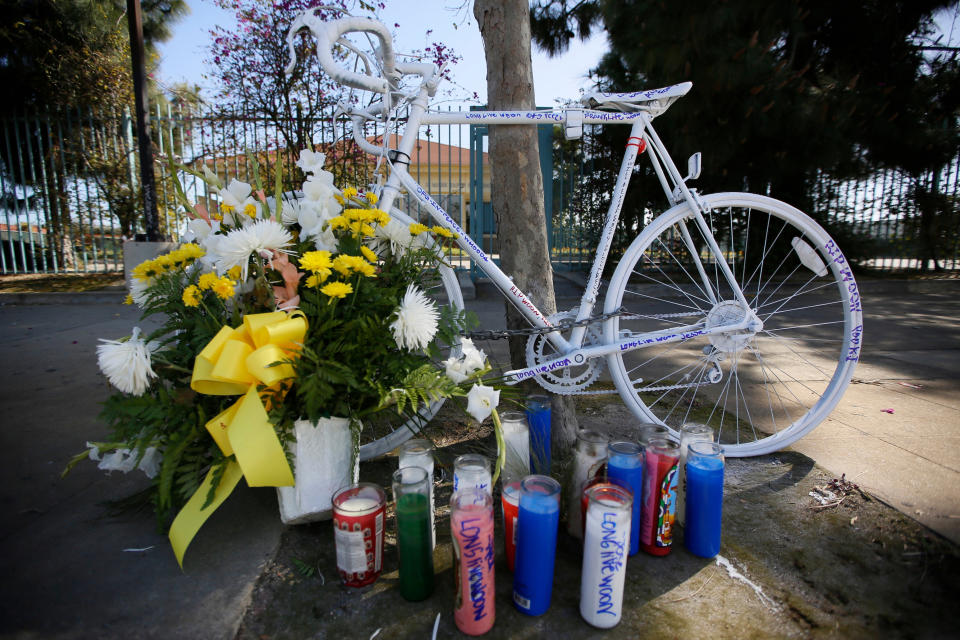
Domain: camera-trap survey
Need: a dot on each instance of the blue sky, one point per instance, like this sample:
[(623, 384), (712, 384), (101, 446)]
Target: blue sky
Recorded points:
[(182, 56)]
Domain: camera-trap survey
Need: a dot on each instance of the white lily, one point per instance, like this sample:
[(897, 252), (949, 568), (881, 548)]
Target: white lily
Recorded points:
[(243, 206), (311, 162), (481, 401)]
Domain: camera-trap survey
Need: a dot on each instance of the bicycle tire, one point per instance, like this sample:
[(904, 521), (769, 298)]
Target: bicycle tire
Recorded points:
[(812, 320), (389, 435)]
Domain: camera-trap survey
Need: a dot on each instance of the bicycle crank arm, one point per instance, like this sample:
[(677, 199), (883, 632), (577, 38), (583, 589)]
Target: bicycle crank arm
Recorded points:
[(637, 341)]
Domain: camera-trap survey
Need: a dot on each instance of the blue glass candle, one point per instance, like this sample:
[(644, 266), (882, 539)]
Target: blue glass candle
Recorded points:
[(537, 523), (704, 504), (625, 468), (538, 417)]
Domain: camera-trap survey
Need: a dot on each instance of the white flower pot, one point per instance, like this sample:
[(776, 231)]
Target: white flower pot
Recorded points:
[(323, 462)]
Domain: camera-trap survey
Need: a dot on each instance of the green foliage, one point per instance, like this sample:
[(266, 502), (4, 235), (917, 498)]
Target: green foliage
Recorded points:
[(782, 90)]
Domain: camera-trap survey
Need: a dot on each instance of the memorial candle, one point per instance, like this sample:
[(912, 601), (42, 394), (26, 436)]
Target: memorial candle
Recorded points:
[(472, 470), (539, 417), (510, 498), (605, 544), (658, 510), (419, 453), (516, 440), (701, 535), (590, 453), (537, 523), (471, 525), (689, 433), (411, 490), (625, 467), (358, 514)]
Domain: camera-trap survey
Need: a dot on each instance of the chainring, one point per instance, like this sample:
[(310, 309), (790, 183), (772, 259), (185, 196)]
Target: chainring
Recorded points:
[(569, 380)]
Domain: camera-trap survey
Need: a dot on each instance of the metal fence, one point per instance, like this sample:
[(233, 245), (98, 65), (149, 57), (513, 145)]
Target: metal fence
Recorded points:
[(69, 192)]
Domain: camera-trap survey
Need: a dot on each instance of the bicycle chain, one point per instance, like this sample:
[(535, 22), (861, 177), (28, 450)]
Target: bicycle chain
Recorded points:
[(563, 325)]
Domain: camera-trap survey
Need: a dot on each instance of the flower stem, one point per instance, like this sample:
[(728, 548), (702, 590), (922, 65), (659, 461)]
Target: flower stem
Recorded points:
[(501, 447)]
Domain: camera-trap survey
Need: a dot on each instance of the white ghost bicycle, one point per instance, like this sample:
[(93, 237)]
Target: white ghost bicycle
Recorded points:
[(731, 309)]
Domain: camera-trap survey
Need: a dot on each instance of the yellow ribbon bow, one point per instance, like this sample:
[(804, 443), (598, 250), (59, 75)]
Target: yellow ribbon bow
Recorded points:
[(234, 363)]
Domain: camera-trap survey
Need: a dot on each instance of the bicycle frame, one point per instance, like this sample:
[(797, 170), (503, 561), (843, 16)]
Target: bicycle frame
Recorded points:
[(642, 137)]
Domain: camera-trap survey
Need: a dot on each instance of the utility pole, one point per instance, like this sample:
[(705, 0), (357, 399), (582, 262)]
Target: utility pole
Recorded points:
[(141, 104)]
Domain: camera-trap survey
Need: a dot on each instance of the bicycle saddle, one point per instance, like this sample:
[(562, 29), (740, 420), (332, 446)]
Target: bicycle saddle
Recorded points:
[(658, 99)]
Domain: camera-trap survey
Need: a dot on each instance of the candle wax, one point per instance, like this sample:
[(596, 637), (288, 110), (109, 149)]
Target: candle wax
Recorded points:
[(413, 546), (605, 549), (627, 471), (704, 506), (537, 523)]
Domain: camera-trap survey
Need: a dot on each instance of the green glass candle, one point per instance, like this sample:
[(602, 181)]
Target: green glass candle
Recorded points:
[(411, 491)]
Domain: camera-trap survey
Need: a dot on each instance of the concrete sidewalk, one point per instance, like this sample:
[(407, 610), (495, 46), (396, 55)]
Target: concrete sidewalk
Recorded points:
[(71, 571)]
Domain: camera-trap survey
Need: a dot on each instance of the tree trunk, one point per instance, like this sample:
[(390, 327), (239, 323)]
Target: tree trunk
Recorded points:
[(516, 184)]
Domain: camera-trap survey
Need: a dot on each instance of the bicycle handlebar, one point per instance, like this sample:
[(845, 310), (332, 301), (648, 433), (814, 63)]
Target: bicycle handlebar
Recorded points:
[(327, 34)]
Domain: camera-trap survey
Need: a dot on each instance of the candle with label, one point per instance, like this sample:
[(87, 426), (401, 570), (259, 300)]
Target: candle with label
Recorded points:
[(590, 453), (411, 491), (658, 510), (689, 433), (701, 535), (605, 545), (625, 468), (358, 514), (537, 523), (471, 526), (419, 453), (472, 470)]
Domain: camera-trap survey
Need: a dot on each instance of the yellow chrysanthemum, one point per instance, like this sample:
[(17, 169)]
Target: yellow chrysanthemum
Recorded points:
[(368, 254), (338, 198), (371, 197), (382, 217), (315, 261), (416, 228), (145, 270), (338, 222), (128, 299), (337, 290), (223, 287), (207, 281), (444, 232), (191, 296), (192, 250), (235, 272), (318, 278), (367, 231), (350, 192), (345, 264), (250, 210), (164, 262)]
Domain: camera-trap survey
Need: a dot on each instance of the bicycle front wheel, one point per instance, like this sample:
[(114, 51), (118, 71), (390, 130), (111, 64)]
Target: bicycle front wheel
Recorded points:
[(388, 430), (762, 389)]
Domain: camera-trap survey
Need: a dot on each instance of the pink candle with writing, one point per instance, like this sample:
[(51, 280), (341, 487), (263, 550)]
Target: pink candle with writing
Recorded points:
[(471, 524)]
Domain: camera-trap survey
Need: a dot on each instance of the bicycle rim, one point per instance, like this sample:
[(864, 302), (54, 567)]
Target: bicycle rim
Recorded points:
[(760, 391), (388, 430)]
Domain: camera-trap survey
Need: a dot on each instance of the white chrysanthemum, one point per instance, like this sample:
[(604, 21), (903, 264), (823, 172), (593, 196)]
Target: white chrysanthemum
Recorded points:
[(236, 247), (416, 321), (139, 291), (127, 363), (311, 162), (481, 401)]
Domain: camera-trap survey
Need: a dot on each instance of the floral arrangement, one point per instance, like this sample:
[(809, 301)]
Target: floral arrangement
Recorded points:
[(276, 310)]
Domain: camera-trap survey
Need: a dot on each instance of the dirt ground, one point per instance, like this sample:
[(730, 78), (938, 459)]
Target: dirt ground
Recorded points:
[(788, 567), (47, 283)]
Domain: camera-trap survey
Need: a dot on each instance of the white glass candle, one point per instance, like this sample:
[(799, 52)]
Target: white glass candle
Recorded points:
[(419, 453), (589, 456), (689, 433), (516, 440), (606, 545)]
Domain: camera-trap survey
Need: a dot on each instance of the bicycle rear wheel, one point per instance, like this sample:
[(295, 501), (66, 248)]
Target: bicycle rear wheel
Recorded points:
[(759, 390), (389, 430)]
